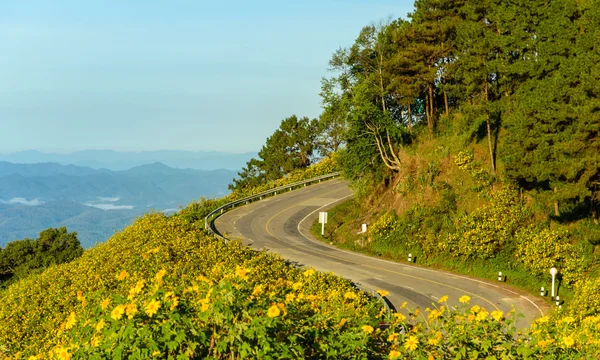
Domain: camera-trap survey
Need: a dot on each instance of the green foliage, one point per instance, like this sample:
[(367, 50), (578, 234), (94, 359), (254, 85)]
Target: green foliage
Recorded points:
[(289, 148), (21, 258)]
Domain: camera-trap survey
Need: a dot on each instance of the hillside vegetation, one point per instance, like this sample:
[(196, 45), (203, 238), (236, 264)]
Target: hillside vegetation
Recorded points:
[(163, 288)]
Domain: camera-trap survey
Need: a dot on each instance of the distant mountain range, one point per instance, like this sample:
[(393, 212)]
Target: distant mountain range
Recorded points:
[(118, 160), (95, 202)]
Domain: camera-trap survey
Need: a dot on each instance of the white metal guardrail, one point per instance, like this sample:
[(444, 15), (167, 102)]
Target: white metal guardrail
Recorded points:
[(209, 220)]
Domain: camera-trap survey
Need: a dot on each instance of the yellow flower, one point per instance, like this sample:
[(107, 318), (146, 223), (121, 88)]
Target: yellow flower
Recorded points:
[(568, 341), (542, 343), (100, 325), (204, 307), (399, 317), (411, 343), (122, 275), (482, 315), (273, 311), (393, 337), (117, 312), (367, 328), (464, 299), (104, 304), (403, 305), (434, 314), (568, 320), (152, 307), (131, 310), (95, 341), (497, 315), (542, 320), (71, 320), (297, 285), (139, 286), (174, 303), (475, 309), (383, 292), (258, 289), (394, 354), (242, 272), (160, 274), (443, 299), (350, 295), (289, 298), (309, 272), (62, 353)]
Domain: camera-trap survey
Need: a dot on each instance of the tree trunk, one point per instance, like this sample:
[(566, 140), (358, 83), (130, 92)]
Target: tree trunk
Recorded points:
[(446, 102), (409, 119), (431, 108), (489, 131), (427, 114), (381, 83), (556, 212)]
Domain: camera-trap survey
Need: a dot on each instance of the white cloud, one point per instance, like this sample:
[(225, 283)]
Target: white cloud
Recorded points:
[(109, 199), (23, 201), (110, 206)]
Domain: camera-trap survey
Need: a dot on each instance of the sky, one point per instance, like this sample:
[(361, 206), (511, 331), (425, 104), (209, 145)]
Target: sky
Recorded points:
[(141, 75)]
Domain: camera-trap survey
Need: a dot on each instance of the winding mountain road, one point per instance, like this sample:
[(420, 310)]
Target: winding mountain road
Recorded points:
[(281, 224)]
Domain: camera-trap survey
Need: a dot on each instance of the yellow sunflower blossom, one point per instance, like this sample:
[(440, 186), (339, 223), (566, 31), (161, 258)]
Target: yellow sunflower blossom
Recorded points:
[(100, 325), (393, 337), (350, 295), (118, 312), (497, 315), (400, 317), (95, 341), (160, 274), (242, 272), (273, 311), (152, 307), (309, 272), (71, 320), (367, 328), (464, 299), (174, 303), (394, 354), (443, 299), (411, 343), (104, 303), (131, 310), (482, 315), (383, 292), (62, 353), (289, 298), (122, 275), (568, 341)]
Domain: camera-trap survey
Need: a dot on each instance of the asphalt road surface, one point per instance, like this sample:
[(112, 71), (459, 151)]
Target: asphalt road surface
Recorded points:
[(281, 224)]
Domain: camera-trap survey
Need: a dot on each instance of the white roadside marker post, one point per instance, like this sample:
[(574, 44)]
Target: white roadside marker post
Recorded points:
[(323, 221), (500, 277), (543, 292), (553, 272), (409, 257)]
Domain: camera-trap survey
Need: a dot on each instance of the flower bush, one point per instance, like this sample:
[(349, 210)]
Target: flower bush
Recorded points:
[(539, 249), (384, 225), (484, 232)]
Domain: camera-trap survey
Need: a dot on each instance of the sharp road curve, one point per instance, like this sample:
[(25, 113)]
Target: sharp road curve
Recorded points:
[(281, 224)]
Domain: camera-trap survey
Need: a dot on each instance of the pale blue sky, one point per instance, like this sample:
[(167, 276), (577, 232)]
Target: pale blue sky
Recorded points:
[(175, 74)]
